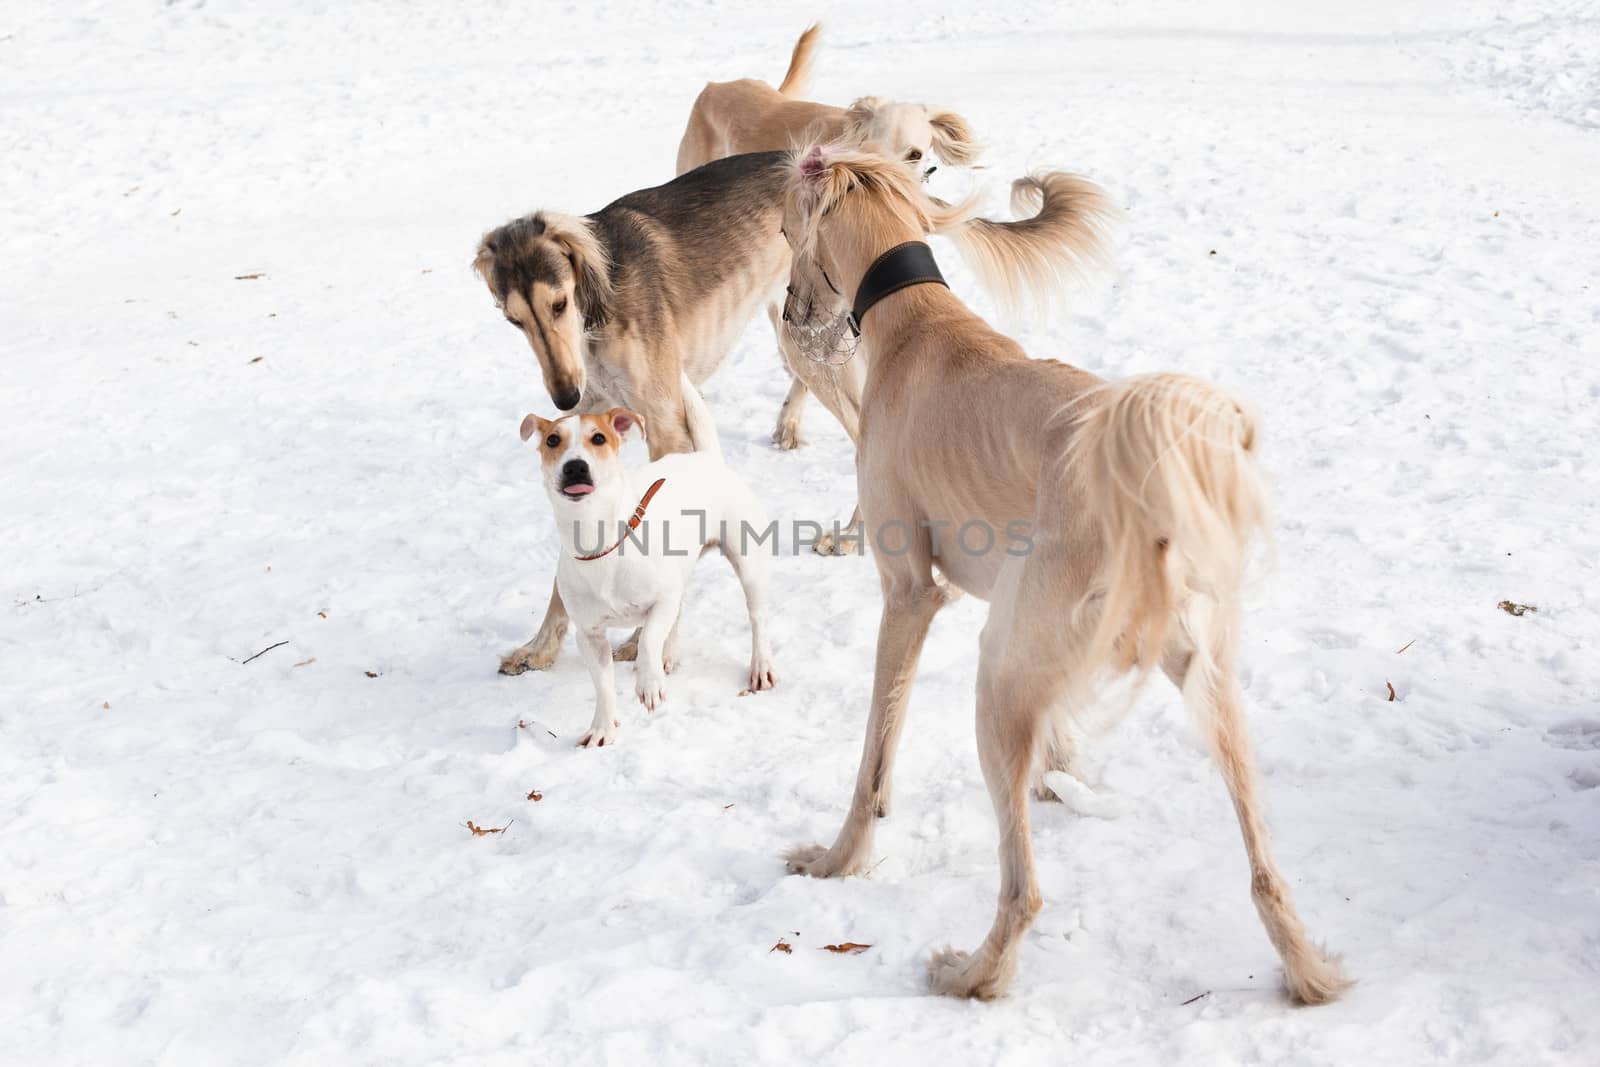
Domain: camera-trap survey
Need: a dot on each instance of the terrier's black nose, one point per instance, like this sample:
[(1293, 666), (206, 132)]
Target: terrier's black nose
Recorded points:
[(575, 470), (567, 399)]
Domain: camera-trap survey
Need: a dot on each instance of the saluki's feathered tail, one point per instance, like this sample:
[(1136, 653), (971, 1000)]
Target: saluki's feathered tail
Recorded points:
[(1169, 462), (797, 79), (1066, 237)]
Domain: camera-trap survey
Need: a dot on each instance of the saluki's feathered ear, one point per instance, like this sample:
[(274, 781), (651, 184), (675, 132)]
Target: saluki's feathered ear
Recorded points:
[(823, 174), (483, 262), (860, 113), (953, 140), (591, 266)]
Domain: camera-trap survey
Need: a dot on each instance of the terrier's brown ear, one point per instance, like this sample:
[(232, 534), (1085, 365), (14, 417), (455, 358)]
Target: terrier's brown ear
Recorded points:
[(953, 140), (532, 424), (625, 419)]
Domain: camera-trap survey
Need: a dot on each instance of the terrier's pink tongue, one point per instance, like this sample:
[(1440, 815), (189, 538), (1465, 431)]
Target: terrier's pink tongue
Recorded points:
[(578, 490)]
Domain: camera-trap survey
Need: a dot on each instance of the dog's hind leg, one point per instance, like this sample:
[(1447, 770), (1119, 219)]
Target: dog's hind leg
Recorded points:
[(1211, 691), (1009, 717), (540, 653), (751, 567)]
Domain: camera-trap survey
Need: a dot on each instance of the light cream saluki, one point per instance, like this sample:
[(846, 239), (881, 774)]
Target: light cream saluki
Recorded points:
[(1143, 498)]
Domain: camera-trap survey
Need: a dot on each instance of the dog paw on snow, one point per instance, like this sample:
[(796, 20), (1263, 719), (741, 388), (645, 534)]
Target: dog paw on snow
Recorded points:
[(650, 686), (787, 435), (762, 675), (534, 656), (601, 735)]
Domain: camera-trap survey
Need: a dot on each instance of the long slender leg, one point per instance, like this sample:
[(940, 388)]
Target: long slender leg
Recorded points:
[(787, 434), (1007, 730), (839, 388), (595, 647), (901, 631), (1212, 692), (540, 653)]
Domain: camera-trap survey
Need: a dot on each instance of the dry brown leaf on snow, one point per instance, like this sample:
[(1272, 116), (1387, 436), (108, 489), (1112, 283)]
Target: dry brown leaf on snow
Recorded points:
[(783, 947), (1512, 608), (534, 794), (1391, 689), (371, 674), (480, 831), (846, 948), (305, 662)]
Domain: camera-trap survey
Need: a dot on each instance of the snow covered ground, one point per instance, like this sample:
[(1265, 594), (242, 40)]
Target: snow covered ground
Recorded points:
[(1377, 221)]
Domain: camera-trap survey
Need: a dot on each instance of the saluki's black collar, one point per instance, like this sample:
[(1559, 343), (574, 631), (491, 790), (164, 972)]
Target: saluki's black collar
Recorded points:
[(911, 263)]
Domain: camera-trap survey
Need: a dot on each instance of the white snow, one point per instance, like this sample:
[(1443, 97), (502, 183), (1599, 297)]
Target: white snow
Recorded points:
[(1376, 221)]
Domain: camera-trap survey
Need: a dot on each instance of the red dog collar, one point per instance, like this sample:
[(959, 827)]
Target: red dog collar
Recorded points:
[(633, 523)]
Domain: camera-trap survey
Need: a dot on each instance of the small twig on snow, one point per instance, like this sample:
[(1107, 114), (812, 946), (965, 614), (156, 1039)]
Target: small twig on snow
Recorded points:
[(264, 651)]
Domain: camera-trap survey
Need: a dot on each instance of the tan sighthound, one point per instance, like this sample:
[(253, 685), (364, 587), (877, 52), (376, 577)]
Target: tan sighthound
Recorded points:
[(1143, 499), (749, 115)]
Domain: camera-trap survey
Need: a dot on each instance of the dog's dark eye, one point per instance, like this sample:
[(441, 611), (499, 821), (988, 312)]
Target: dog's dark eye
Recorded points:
[(553, 440), (913, 155), (558, 307), (598, 439)]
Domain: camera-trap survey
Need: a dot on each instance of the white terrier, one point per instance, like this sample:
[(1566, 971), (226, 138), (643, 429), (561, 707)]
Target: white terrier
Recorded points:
[(622, 567)]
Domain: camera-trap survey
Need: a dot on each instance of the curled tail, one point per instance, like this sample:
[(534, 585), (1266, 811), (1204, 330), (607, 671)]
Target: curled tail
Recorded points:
[(1169, 462), (702, 428), (797, 79), (1066, 237)]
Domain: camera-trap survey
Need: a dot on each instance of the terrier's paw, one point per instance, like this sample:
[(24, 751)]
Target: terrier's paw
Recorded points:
[(787, 435), (953, 973), (650, 686), (762, 675), (533, 656), (600, 736)]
